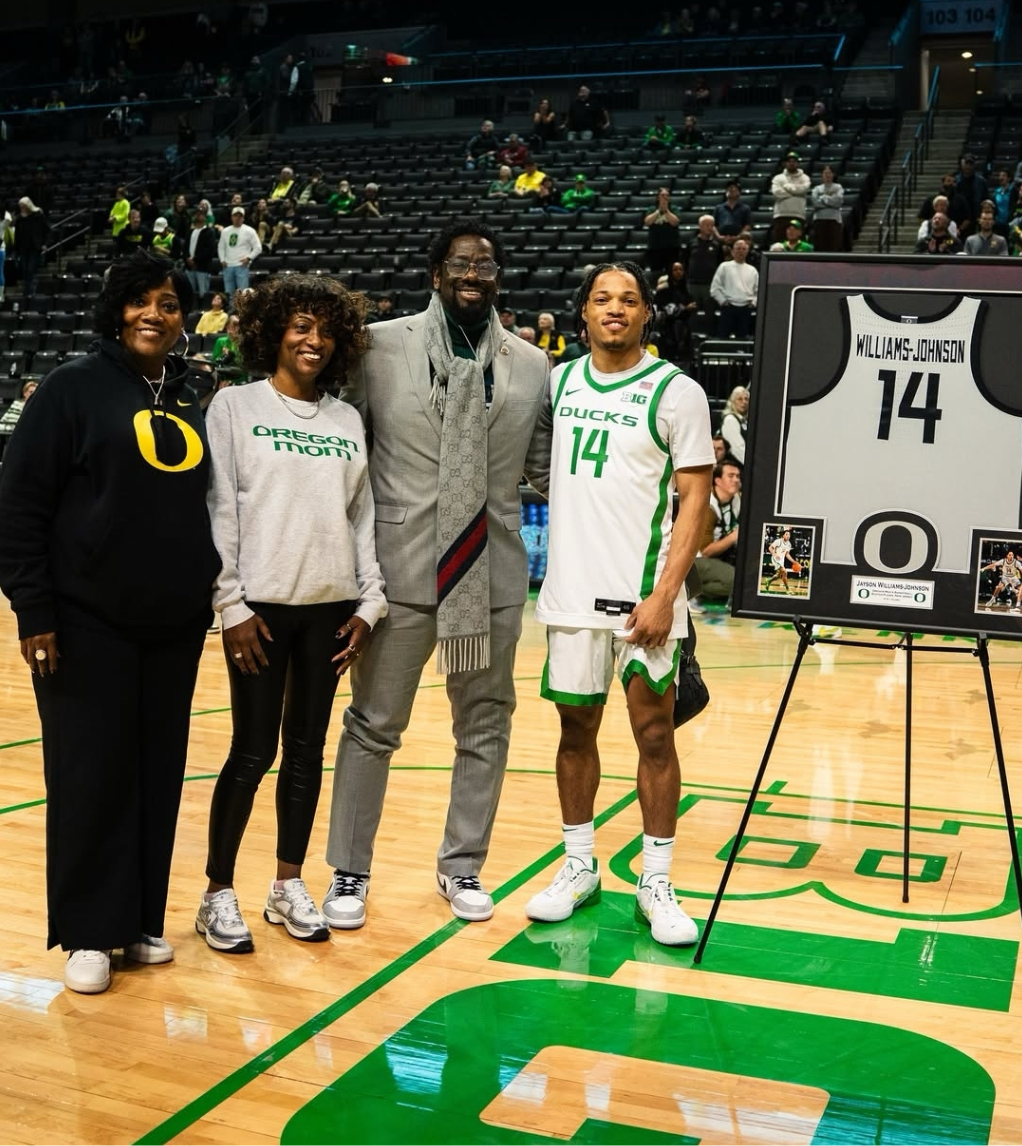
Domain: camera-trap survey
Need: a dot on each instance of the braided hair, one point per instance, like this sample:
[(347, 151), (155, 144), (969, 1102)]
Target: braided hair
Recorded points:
[(627, 267)]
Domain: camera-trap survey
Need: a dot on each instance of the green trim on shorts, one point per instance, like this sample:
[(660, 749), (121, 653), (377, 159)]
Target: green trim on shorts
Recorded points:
[(578, 699), (637, 668)]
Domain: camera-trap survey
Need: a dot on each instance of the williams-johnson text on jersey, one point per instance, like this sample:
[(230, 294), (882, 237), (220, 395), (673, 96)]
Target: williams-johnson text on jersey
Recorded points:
[(890, 349)]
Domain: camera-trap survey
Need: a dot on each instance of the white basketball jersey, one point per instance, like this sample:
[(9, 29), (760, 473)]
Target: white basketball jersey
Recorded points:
[(1009, 571), (612, 489), (779, 550), (899, 435)]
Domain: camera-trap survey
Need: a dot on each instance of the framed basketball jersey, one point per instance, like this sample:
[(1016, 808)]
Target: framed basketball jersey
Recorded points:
[(884, 459)]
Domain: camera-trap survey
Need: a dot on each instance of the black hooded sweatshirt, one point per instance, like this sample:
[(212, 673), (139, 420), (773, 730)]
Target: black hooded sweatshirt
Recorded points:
[(103, 501)]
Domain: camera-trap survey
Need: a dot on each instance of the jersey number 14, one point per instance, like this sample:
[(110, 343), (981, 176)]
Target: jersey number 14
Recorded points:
[(594, 450), (929, 413)]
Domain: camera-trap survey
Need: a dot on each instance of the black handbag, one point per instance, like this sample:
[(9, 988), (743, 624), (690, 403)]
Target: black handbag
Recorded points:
[(691, 695)]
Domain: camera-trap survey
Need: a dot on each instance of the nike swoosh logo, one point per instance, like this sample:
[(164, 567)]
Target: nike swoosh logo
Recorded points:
[(568, 393), (662, 843), (180, 403)]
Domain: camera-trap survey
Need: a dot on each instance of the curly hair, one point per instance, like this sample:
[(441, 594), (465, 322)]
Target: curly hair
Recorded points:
[(441, 242), (265, 313), (133, 275), (627, 267)]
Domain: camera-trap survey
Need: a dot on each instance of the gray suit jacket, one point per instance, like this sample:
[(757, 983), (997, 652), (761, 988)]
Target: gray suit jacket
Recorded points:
[(390, 388)]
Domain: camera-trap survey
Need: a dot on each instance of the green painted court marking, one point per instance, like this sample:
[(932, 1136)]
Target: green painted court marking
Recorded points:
[(930, 966), (199, 1107)]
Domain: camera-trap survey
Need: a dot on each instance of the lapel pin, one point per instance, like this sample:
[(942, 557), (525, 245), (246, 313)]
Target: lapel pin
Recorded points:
[(504, 350)]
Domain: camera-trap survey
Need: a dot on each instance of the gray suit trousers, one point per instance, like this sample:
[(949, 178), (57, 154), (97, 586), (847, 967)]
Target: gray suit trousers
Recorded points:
[(384, 680)]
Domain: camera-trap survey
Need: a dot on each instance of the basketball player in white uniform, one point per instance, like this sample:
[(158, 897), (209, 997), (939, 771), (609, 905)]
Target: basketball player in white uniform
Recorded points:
[(1011, 579), (628, 430), (779, 549), (888, 439)]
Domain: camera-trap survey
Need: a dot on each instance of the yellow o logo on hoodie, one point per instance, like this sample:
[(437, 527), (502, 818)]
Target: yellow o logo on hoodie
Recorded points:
[(147, 442)]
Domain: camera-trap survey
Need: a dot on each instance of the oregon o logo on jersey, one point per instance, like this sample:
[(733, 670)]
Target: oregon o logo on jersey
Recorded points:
[(181, 446)]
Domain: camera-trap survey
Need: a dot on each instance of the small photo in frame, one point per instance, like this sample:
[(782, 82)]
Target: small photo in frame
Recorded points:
[(787, 555), (999, 575)]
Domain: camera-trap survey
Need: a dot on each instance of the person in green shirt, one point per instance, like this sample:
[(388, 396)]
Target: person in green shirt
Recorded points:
[(659, 137), (225, 354), (787, 119), (579, 197), (793, 243), (343, 200), (163, 238), (119, 212), (503, 185)]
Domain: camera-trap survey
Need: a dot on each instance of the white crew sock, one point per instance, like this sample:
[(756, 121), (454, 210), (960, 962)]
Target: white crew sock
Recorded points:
[(657, 853), (580, 841)]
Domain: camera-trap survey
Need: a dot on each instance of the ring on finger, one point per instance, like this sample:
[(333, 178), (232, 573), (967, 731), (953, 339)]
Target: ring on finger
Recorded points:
[(40, 654), (238, 656)]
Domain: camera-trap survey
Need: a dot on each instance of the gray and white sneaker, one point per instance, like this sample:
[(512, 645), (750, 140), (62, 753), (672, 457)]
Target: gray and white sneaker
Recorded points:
[(219, 919), (149, 949), (292, 905), (467, 896), (87, 972), (345, 902)]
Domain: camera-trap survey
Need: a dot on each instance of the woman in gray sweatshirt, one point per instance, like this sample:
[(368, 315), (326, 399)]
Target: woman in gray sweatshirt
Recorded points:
[(293, 520)]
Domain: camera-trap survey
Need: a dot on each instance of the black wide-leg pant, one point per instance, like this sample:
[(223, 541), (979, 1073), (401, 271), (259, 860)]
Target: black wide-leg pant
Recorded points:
[(115, 722), (287, 703)]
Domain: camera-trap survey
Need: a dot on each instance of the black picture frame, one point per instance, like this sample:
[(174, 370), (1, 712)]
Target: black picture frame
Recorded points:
[(905, 480)]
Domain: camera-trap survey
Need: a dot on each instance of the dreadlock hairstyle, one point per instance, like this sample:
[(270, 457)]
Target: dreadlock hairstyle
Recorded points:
[(627, 267)]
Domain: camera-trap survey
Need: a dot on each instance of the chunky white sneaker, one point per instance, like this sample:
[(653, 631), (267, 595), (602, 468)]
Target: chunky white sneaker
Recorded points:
[(87, 972), (219, 919), (656, 905), (292, 905), (345, 902), (149, 949), (574, 886), (467, 896)]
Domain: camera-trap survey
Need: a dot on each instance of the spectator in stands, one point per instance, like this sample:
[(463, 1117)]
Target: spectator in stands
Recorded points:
[(548, 198), (214, 320), (135, 236), (973, 189), (795, 242), (514, 153), (119, 212), (370, 206), (734, 422), (718, 550), (685, 24), (255, 85), (206, 207), (957, 209), (226, 353), (286, 226), (549, 337), (663, 236), (661, 136), (262, 221), (790, 189), (816, 122), (701, 94), (223, 216), (507, 319), (527, 334), (343, 201), (164, 239), (201, 250), (580, 197), (285, 182), (1005, 202), (239, 246), (503, 185), (180, 216), (544, 125), (482, 148), (787, 119), (734, 288), (828, 198), (6, 236), (674, 304), (986, 241), (690, 137), (941, 206), (530, 180), (702, 257), (148, 210), (720, 447), (585, 118), (14, 411), (940, 241), (733, 217), (315, 191), (382, 309)]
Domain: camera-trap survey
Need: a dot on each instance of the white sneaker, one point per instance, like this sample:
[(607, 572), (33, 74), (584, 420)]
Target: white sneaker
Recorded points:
[(149, 949), (574, 886), (656, 905), (345, 904), (292, 905), (87, 972), (219, 919), (467, 896)]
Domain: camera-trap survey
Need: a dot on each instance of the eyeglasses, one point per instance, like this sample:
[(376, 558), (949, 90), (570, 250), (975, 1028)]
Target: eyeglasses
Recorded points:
[(486, 269)]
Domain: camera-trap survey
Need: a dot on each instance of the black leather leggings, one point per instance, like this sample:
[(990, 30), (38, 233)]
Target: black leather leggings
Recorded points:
[(289, 701)]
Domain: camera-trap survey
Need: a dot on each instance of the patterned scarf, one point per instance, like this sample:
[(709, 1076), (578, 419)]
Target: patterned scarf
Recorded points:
[(463, 566)]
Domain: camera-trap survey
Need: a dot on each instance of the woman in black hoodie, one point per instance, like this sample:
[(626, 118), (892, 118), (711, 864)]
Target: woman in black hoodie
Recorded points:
[(107, 558)]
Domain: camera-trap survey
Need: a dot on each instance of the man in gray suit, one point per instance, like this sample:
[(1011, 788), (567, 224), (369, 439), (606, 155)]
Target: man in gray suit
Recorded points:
[(452, 406)]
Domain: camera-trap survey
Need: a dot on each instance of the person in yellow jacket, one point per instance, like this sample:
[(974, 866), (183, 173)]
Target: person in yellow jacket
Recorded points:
[(214, 320), (119, 212), (549, 338)]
